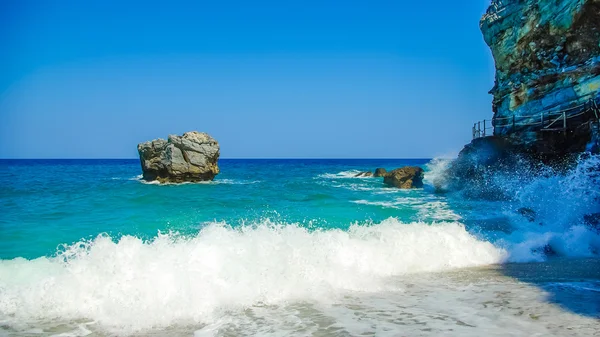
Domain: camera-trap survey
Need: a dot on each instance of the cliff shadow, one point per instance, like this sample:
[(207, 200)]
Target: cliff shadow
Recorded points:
[(573, 284)]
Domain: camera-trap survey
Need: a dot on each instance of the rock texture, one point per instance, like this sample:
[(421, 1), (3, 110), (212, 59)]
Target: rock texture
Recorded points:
[(405, 177), (189, 158), (380, 172), (547, 57)]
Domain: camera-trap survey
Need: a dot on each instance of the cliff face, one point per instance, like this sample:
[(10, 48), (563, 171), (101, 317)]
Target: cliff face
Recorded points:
[(546, 96), (547, 57)]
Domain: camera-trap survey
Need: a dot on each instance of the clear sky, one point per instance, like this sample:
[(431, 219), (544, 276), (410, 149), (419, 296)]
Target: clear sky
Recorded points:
[(267, 79)]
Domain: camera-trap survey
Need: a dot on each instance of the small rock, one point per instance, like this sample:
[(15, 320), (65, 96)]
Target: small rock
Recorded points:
[(364, 174), (380, 172), (406, 177)]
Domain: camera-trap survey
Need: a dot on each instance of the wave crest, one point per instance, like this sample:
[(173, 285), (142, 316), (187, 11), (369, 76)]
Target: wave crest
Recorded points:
[(175, 279)]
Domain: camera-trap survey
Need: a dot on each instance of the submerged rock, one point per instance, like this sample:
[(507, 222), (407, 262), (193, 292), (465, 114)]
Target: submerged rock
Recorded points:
[(364, 174), (405, 177), (189, 158), (380, 172), (527, 213)]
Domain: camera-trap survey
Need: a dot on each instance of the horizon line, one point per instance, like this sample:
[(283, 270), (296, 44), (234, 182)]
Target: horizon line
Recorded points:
[(237, 158)]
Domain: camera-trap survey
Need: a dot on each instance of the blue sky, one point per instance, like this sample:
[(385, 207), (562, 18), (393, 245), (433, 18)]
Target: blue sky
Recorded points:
[(267, 79)]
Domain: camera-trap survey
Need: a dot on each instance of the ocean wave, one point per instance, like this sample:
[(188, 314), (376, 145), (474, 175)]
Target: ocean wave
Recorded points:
[(132, 285), (213, 182), (556, 202), (437, 211), (376, 189), (436, 172), (386, 204), (357, 187), (427, 210), (342, 175), (409, 202), (576, 286)]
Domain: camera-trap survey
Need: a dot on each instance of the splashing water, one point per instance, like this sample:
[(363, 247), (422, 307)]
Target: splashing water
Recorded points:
[(302, 248), (189, 279)]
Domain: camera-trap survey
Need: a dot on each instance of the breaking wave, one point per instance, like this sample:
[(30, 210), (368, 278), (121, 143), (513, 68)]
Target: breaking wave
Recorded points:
[(342, 175), (546, 208), (212, 182), (130, 285)]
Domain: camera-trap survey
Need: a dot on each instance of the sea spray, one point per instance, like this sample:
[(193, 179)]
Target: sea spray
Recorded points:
[(131, 285), (556, 201)]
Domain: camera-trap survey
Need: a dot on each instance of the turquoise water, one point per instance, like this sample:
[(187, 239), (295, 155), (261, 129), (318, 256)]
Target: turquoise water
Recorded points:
[(294, 248), (48, 203)]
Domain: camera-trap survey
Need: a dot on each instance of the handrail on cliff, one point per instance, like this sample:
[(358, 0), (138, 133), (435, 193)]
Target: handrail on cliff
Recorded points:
[(543, 121)]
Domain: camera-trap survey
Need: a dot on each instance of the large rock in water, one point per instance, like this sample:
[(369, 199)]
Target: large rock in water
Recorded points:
[(405, 177), (189, 158)]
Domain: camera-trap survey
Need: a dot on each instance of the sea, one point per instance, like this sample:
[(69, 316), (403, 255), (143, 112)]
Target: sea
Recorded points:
[(295, 247)]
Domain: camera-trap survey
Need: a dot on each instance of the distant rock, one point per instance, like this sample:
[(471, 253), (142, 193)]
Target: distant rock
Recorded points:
[(189, 158), (380, 172), (405, 177), (364, 174)]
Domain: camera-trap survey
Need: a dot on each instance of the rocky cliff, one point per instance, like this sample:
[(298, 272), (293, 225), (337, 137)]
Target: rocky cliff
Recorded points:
[(547, 57), (189, 158), (546, 93)]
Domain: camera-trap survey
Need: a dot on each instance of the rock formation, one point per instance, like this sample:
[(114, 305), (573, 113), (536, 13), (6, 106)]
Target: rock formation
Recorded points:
[(405, 177), (546, 92), (189, 158), (547, 58), (380, 172)]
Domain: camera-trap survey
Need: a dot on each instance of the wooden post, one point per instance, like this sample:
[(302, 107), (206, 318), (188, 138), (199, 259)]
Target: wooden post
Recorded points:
[(484, 128), (479, 128)]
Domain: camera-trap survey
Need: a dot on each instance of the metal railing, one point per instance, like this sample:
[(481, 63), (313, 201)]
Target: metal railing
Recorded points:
[(479, 132), (543, 121)]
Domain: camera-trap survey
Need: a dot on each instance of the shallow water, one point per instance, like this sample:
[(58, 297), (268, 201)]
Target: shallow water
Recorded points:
[(292, 247)]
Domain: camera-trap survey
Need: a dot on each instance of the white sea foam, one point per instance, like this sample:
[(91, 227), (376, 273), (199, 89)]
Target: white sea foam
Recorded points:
[(435, 174), (342, 175), (212, 182), (427, 209), (559, 203), (131, 285), (356, 187), (386, 204)]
